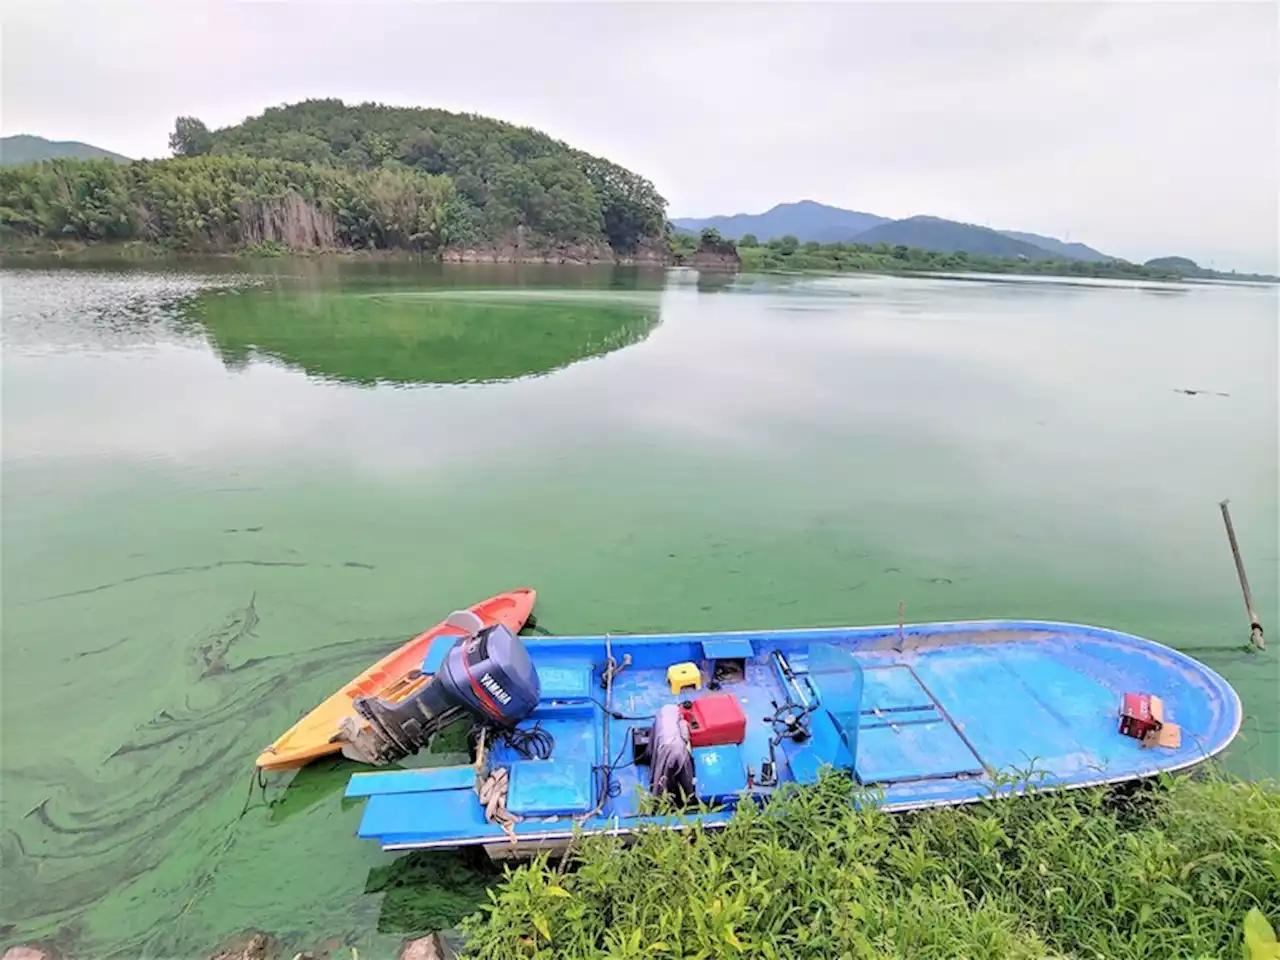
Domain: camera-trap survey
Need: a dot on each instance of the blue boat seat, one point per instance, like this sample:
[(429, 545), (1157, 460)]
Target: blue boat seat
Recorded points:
[(730, 648), (720, 773), (550, 788), (565, 681)]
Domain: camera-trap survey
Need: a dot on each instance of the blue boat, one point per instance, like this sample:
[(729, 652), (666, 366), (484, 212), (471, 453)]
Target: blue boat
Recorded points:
[(924, 715)]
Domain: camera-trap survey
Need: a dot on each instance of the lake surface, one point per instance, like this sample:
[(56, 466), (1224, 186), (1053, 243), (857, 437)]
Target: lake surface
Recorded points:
[(227, 488)]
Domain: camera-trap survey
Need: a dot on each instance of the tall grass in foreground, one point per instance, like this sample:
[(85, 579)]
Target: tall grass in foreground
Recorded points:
[(1164, 870)]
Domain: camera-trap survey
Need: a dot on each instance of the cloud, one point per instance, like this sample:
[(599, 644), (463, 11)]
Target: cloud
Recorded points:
[(1140, 128)]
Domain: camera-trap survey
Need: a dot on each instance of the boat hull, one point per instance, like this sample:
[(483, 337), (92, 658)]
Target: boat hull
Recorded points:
[(949, 713), (313, 736)]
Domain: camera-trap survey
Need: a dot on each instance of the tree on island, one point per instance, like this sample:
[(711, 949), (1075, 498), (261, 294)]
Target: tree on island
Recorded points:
[(190, 138)]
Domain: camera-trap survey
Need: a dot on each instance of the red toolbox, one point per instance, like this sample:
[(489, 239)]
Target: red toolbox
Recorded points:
[(714, 720)]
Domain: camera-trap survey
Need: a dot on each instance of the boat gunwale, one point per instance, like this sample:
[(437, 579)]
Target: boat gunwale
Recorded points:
[(616, 829)]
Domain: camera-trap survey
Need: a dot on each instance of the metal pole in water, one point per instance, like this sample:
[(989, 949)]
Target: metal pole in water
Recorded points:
[(1255, 628)]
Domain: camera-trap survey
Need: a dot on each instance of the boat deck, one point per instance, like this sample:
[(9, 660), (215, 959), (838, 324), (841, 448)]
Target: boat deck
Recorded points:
[(944, 714)]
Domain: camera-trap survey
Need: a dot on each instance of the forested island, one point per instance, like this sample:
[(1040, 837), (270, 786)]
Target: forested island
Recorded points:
[(322, 175)]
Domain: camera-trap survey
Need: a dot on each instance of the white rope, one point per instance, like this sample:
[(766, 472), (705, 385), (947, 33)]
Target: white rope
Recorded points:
[(493, 795)]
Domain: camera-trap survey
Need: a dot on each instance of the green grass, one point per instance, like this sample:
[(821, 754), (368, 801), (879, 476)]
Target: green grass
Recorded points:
[(1166, 870)]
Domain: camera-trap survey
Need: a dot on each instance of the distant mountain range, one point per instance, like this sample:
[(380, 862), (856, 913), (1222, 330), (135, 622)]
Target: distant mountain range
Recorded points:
[(808, 220), (948, 236), (1071, 251), (24, 148)]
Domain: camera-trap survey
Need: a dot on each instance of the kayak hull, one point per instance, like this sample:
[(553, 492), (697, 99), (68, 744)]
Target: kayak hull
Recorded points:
[(944, 714), (312, 737)]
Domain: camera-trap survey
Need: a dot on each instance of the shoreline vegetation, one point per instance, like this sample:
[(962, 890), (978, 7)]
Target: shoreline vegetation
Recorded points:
[(1178, 866), (1183, 865), (788, 255), (718, 256), (714, 254)]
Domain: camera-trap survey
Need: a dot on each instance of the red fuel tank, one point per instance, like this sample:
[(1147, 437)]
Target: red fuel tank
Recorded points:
[(714, 720)]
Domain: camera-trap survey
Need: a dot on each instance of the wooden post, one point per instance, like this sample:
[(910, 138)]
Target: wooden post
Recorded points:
[(1255, 628)]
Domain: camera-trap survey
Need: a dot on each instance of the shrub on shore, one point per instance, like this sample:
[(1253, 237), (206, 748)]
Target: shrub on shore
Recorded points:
[(1161, 870)]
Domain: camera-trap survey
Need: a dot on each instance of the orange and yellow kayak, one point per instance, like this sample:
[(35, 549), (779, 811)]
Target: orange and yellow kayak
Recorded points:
[(391, 677)]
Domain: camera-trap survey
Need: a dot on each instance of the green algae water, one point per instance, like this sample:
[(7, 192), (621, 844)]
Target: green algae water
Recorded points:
[(226, 489)]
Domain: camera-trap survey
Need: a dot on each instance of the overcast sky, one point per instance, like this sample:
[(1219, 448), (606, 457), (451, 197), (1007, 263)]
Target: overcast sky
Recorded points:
[(1141, 128)]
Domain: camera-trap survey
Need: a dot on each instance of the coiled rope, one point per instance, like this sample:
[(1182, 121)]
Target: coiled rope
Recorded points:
[(493, 787)]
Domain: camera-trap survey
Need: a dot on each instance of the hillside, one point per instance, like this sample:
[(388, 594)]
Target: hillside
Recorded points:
[(25, 148), (806, 220), (1182, 266), (1069, 251), (509, 180), (1188, 268), (809, 221), (214, 204), (322, 175), (948, 236)]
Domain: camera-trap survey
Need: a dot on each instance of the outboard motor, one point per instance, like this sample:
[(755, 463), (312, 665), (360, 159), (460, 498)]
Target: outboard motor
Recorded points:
[(488, 677)]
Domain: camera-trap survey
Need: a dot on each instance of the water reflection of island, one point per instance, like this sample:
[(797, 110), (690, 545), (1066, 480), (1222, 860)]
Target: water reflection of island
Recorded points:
[(425, 337)]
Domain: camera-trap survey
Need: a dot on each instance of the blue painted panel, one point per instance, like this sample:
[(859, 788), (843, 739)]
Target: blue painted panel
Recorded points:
[(1005, 716), (411, 781), (440, 815), (727, 649), (562, 709), (913, 752), (440, 648), (574, 728), (719, 772), (547, 788), (896, 718), (565, 681), (892, 688)]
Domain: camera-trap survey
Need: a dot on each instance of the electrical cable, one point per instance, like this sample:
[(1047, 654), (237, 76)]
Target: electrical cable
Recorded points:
[(535, 743), (619, 716)]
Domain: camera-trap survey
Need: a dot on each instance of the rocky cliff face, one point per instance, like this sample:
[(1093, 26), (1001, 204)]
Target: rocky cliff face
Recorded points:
[(714, 255), (714, 262)]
